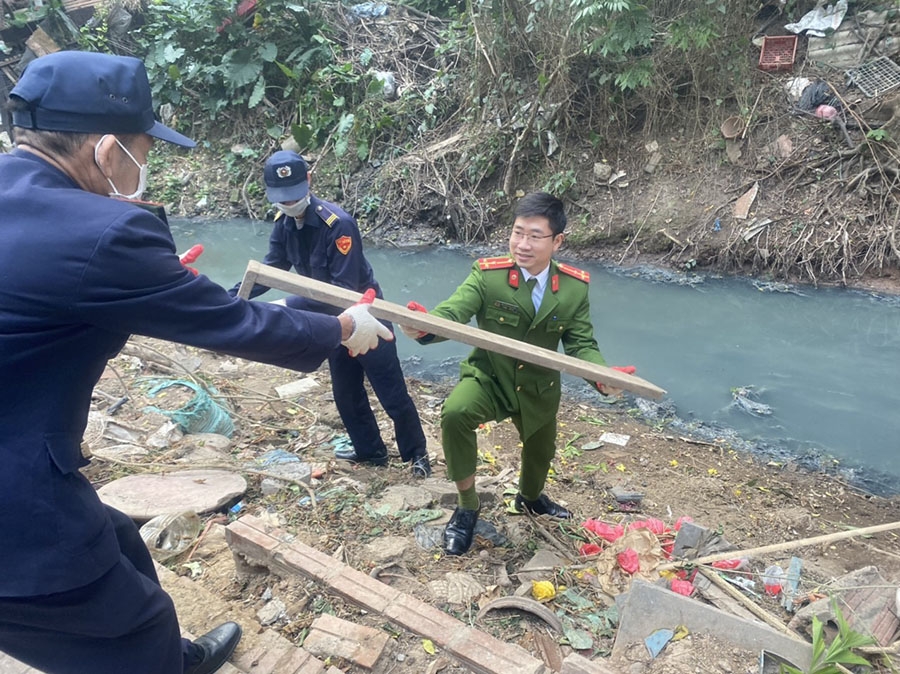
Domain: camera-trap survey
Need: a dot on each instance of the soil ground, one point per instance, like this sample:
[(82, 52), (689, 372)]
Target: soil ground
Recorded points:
[(749, 502)]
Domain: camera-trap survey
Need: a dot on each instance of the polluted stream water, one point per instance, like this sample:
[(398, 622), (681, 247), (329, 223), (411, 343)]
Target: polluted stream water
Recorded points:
[(791, 373)]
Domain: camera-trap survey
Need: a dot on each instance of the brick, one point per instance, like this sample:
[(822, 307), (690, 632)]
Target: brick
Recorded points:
[(331, 636), (362, 589), (251, 542), (484, 654), (269, 650), (307, 561), (312, 665), (578, 664), (298, 660), (423, 619)]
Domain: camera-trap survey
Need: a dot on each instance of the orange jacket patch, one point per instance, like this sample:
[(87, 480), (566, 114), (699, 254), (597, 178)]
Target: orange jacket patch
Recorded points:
[(568, 270), (344, 244)]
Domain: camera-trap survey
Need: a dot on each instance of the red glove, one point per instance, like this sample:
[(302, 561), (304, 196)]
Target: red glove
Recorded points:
[(190, 256), (610, 390), (412, 333)]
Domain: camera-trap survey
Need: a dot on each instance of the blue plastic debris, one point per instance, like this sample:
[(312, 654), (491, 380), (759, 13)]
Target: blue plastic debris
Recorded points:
[(717, 225), (236, 508), (658, 640), (369, 10)]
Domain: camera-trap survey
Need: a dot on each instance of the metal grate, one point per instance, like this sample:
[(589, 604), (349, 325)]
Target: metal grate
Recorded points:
[(876, 76)]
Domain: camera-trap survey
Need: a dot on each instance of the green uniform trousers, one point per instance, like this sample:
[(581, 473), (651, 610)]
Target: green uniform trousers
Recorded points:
[(469, 405)]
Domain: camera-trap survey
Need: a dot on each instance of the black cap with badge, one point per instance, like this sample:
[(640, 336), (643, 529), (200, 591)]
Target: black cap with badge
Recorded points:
[(85, 92), (286, 176)]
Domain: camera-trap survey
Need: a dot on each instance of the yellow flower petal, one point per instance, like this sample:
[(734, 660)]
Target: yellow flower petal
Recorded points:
[(542, 590)]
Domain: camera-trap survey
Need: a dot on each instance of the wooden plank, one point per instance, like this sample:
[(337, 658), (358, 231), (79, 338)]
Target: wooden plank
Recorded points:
[(467, 334)]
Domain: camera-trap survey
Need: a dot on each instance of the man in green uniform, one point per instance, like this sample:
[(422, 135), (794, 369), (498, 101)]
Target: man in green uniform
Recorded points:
[(530, 297)]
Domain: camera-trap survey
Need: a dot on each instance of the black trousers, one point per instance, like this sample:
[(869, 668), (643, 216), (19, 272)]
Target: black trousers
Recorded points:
[(382, 367), (122, 623)]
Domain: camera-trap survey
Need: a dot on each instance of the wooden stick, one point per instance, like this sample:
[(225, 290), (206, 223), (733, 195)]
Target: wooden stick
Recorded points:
[(779, 547), (467, 334), (749, 604)]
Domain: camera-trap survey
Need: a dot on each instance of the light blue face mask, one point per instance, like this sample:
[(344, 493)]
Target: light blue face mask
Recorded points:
[(142, 169), (295, 210)]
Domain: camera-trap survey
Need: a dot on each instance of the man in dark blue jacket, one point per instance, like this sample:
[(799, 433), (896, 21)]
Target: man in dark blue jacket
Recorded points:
[(320, 240), (80, 272)]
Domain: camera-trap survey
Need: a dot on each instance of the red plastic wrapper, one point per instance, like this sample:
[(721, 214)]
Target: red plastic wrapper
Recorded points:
[(683, 587), (653, 525), (681, 520), (731, 564), (603, 530), (590, 549), (629, 561)]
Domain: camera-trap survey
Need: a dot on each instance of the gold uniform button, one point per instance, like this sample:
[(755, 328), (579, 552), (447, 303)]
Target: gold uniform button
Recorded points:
[(521, 366), (518, 388), (552, 384), (502, 319), (560, 328)]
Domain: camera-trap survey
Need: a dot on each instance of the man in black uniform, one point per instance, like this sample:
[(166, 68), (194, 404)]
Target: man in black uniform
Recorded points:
[(81, 272), (320, 240)]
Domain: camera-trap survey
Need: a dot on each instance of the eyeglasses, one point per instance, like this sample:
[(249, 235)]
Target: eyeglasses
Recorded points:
[(531, 238)]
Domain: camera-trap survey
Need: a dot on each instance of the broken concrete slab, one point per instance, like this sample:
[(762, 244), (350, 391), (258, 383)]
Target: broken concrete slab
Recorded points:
[(544, 560), (388, 549), (866, 601), (646, 608), (330, 636), (297, 388), (401, 497), (143, 497)]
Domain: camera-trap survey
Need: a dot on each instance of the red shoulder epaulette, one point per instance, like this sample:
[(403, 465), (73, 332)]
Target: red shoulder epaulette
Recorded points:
[(487, 263), (575, 272)]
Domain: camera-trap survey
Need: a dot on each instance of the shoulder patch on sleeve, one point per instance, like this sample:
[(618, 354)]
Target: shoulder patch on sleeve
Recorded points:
[(503, 262), (574, 272), (328, 217)]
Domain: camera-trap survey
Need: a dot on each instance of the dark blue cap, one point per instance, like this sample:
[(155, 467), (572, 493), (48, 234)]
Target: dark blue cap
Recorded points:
[(285, 176), (84, 92)]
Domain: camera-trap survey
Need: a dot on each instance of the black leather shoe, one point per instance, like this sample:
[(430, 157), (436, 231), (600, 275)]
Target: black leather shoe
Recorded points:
[(217, 646), (543, 506), (459, 531), (349, 454), (421, 466)]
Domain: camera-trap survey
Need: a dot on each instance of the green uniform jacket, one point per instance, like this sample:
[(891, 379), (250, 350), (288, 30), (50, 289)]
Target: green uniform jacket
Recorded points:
[(496, 294)]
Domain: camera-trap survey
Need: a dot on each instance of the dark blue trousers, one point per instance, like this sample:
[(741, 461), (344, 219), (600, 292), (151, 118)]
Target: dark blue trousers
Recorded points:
[(122, 623), (382, 367)]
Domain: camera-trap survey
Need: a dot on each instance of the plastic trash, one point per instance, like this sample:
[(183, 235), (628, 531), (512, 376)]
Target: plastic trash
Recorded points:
[(202, 414), (773, 580), (170, 535)]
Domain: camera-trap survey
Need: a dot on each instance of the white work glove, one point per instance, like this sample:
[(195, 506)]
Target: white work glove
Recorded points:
[(366, 328), (413, 333)]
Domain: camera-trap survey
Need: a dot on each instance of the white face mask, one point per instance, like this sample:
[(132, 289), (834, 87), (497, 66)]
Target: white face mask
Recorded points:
[(295, 210), (142, 175)]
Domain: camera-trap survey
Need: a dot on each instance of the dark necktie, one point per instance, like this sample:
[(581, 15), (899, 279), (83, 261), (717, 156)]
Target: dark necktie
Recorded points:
[(531, 283)]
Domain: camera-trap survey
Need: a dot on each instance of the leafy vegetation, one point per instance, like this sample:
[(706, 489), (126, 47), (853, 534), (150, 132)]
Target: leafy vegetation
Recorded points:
[(448, 109), (833, 658)]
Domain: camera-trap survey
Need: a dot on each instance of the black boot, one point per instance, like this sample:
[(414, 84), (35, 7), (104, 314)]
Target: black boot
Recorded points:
[(217, 646), (459, 531), (542, 506), (421, 466), (349, 454)]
